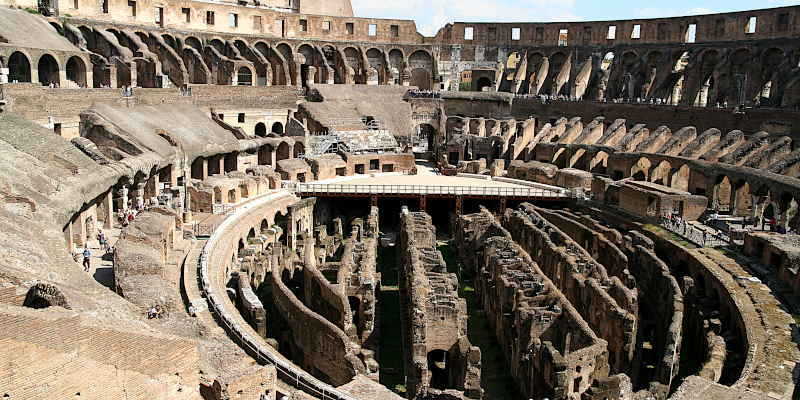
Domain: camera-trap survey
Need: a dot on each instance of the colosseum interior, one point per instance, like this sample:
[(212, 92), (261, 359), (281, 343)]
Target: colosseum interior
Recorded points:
[(278, 200)]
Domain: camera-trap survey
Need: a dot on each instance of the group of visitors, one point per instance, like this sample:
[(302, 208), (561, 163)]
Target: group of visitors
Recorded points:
[(155, 312), (424, 94)]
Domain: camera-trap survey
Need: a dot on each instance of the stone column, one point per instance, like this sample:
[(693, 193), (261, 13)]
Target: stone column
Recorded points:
[(122, 201), (105, 210), (138, 194), (68, 237)]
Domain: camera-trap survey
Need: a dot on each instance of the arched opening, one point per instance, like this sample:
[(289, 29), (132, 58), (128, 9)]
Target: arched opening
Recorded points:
[(421, 65), (261, 130), (244, 77), (660, 174), (283, 152), (19, 68), (277, 128), (232, 196), (396, 65), (640, 170), (377, 64), (599, 163), (76, 71), (438, 365), (680, 178), (282, 222), (48, 71), (299, 149), (355, 306), (424, 140), (720, 201), (483, 83)]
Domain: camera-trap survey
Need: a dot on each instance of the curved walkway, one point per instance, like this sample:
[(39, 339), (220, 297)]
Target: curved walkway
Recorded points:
[(213, 288)]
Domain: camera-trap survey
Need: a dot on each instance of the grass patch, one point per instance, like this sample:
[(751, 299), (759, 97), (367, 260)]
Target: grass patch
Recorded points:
[(32, 10), (669, 235)]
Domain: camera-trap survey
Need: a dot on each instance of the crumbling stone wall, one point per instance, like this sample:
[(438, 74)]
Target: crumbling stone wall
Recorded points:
[(434, 317), (583, 281), (140, 258), (551, 350)]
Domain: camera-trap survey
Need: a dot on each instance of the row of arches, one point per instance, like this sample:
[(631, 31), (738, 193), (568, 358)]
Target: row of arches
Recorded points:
[(691, 76), (140, 58), (48, 70)]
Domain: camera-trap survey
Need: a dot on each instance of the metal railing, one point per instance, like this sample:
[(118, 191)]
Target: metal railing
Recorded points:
[(286, 371), (489, 191), (693, 234)]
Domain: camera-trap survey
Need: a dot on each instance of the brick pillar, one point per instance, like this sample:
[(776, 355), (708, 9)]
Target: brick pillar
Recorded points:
[(459, 205), (374, 201), (503, 204), (423, 203)]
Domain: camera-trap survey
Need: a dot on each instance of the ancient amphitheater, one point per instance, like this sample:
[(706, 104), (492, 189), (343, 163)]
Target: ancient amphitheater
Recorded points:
[(272, 200)]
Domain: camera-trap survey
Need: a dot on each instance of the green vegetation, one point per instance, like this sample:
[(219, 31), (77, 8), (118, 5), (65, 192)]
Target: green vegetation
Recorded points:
[(669, 235), (32, 10)]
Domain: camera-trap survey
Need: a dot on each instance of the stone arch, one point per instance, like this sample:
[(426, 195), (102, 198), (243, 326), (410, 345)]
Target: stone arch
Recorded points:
[(721, 194), (260, 130), (640, 170), (48, 70), (354, 61), (396, 65), (336, 62), (661, 173), (276, 62), (283, 152), (193, 42), (218, 45), (599, 163), (277, 128), (288, 54), (298, 150), (421, 66), (76, 71), (195, 66), (19, 68), (310, 55), (680, 178), (244, 76), (377, 62)]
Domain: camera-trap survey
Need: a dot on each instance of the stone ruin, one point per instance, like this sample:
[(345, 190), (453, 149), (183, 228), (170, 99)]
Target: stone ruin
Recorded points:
[(440, 361)]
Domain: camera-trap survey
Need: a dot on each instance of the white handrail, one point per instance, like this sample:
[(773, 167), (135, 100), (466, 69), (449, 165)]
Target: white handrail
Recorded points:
[(431, 189)]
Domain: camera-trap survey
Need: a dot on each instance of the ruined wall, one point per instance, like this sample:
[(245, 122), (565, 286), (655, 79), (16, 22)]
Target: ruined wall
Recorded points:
[(434, 317), (551, 350), (582, 280)]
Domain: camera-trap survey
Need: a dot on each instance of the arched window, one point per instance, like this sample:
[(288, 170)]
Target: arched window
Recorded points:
[(245, 77)]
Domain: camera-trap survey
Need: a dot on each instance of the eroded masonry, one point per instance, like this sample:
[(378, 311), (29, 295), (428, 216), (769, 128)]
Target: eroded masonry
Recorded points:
[(281, 200)]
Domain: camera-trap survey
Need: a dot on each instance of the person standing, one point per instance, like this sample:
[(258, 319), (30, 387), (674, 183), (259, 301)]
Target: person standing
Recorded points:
[(87, 259)]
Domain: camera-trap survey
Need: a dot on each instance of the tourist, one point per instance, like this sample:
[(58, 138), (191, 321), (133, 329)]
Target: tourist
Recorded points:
[(101, 238), (87, 259)]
